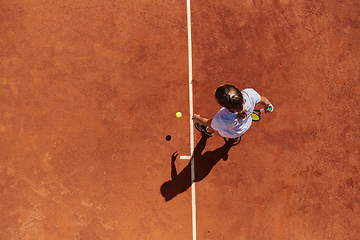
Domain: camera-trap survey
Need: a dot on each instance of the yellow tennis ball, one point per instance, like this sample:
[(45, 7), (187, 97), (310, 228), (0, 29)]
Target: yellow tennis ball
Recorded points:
[(178, 114)]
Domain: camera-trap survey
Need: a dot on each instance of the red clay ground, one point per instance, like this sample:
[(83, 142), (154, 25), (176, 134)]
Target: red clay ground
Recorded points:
[(89, 91)]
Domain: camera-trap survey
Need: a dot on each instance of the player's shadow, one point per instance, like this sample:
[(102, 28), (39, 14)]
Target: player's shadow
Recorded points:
[(203, 163)]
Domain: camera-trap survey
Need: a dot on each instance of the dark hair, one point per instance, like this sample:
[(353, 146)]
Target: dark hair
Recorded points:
[(230, 97)]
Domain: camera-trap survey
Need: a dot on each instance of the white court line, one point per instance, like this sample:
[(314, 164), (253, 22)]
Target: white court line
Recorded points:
[(185, 157), (193, 202)]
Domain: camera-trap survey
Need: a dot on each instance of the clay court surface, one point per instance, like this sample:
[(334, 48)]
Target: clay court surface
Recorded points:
[(89, 92)]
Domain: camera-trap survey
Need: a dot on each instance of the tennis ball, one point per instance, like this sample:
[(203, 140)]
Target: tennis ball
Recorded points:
[(178, 114)]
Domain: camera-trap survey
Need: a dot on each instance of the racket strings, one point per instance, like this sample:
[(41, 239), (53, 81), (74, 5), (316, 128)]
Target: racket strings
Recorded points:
[(255, 116)]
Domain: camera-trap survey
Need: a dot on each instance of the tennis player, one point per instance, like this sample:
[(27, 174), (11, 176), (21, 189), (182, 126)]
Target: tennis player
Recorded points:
[(234, 118)]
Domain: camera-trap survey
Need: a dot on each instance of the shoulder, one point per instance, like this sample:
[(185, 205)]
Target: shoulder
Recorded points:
[(251, 93), (223, 111), (217, 122)]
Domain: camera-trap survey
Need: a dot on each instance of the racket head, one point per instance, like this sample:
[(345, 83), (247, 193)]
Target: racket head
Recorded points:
[(255, 115)]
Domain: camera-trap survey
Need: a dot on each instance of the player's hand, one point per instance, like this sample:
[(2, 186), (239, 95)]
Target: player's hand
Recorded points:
[(195, 117), (269, 106), (173, 156)]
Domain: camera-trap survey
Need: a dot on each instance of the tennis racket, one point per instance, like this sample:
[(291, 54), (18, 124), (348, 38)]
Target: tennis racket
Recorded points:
[(255, 115)]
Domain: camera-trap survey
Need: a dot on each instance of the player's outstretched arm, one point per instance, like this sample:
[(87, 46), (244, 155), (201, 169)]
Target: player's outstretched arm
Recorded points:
[(203, 121), (173, 167)]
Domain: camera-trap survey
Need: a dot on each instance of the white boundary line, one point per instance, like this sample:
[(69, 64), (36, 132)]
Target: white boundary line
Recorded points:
[(193, 202)]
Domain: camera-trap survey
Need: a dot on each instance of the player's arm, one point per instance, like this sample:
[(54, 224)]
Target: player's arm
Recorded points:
[(203, 121), (266, 103), (173, 167)]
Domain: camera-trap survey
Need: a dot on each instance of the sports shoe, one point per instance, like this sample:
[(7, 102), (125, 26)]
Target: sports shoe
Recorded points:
[(237, 139), (203, 129)]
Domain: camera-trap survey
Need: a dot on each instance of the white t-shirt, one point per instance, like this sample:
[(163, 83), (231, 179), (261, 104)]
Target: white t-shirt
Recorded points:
[(227, 123)]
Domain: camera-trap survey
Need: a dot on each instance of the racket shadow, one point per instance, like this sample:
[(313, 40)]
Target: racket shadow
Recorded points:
[(203, 162)]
